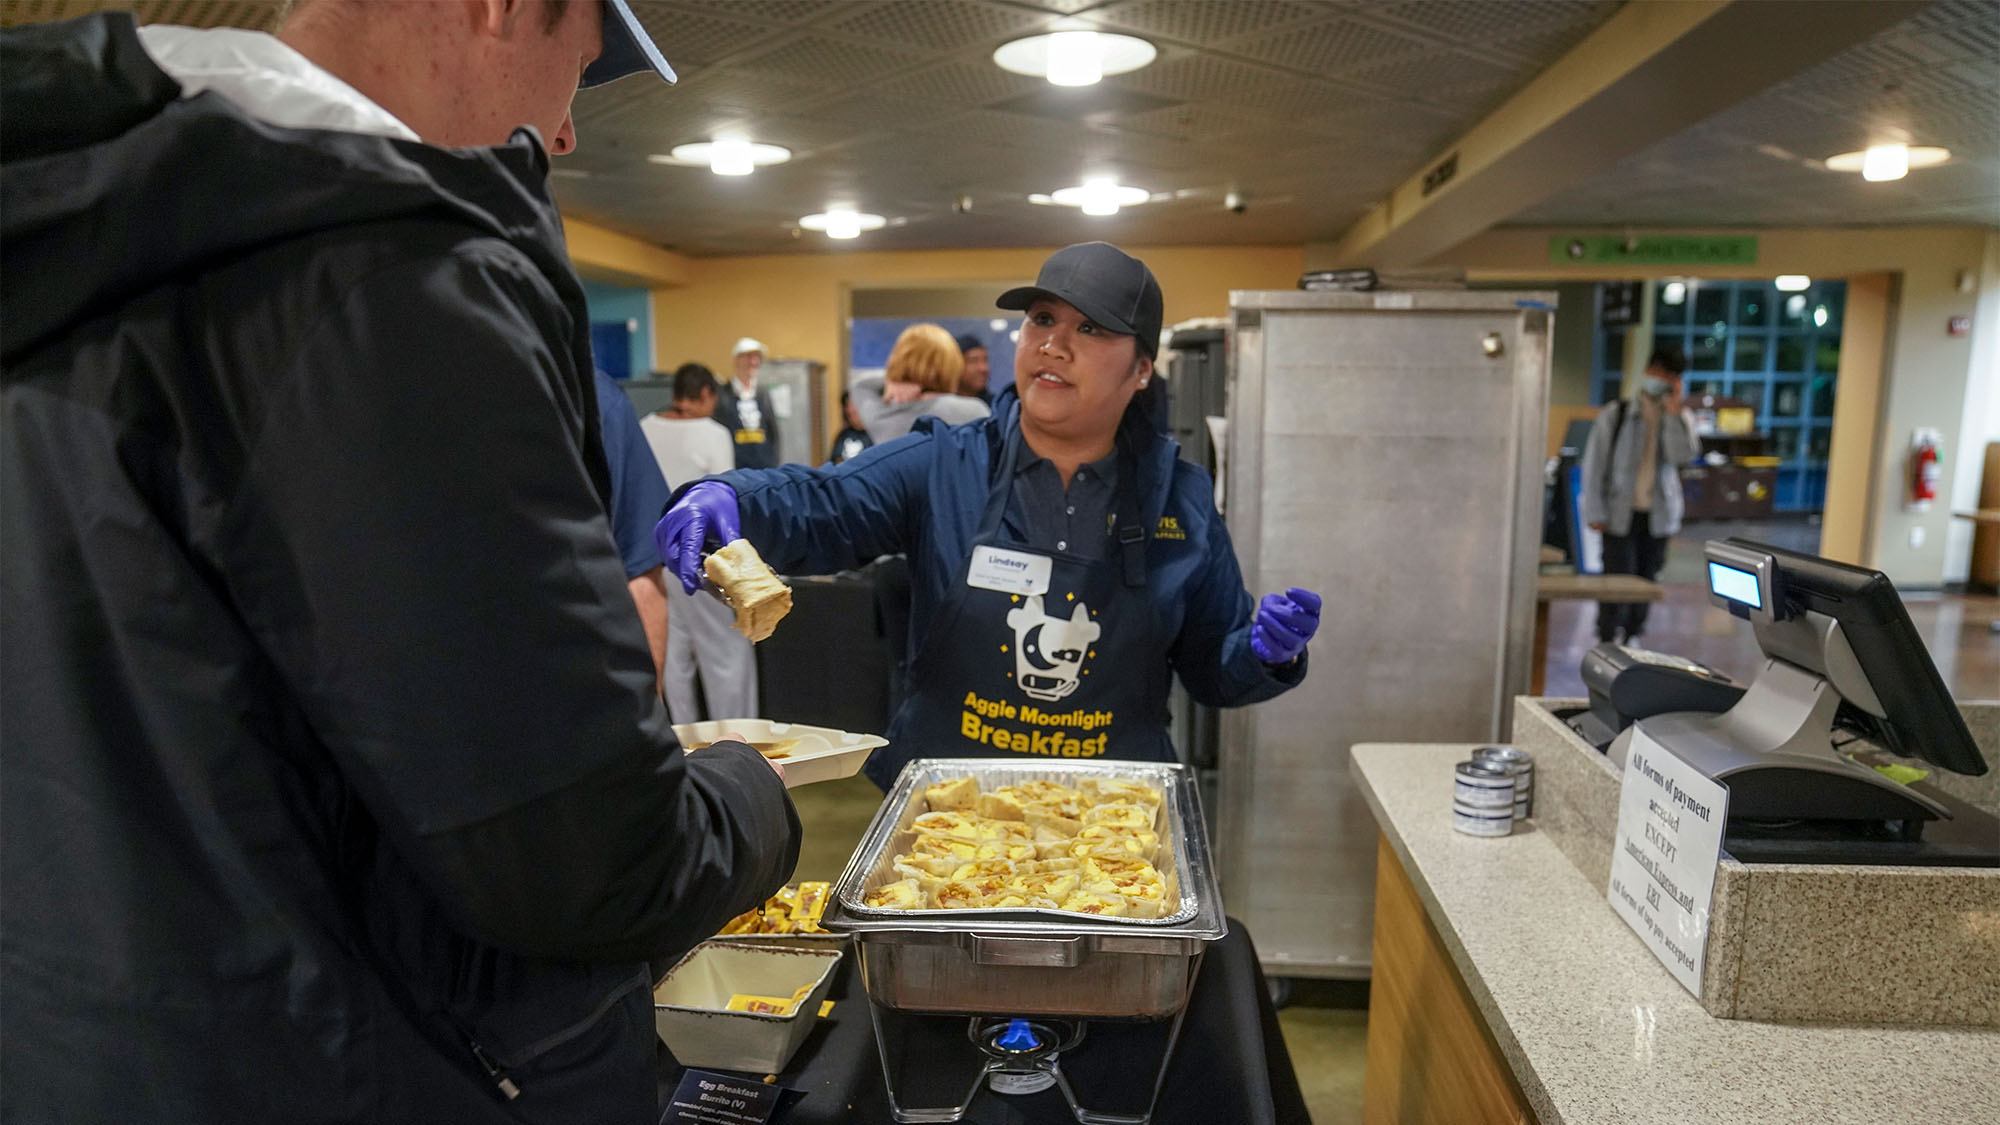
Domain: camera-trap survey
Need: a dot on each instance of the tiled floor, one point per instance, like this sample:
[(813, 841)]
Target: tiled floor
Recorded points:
[(1328, 1043)]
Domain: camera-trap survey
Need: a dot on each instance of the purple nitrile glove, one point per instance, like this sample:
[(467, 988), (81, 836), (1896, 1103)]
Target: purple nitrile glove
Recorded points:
[(706, 511), (1285, 622)]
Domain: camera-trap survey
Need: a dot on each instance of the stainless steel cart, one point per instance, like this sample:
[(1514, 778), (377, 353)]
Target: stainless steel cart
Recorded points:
[(1384, 449)]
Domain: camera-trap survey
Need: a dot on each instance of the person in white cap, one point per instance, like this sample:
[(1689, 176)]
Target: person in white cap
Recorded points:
[(746, 409), (337, 785)]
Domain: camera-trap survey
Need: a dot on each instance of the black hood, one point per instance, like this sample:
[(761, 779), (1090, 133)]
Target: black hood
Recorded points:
[(111, 183)]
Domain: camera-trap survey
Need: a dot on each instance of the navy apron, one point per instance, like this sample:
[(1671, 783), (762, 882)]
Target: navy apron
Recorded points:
[(1078, 673)]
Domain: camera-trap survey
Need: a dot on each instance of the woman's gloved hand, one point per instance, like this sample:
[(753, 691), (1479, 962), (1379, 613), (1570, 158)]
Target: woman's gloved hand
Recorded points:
[(1285, 622), (704, 513)]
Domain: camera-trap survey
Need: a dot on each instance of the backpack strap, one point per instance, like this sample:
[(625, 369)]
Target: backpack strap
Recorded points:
[(1611, 453)]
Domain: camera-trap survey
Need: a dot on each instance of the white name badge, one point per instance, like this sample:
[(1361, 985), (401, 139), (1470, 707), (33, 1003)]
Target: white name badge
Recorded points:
[(1010, 572)]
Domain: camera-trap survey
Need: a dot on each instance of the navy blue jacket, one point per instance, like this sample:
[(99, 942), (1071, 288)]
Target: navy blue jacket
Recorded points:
[(922, 495)]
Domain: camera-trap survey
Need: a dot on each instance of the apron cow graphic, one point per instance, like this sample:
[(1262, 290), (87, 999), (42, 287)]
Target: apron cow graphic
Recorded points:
[(1049, 651)]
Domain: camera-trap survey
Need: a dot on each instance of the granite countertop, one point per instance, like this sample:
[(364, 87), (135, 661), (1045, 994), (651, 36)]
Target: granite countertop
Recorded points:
[(1597, 1031)]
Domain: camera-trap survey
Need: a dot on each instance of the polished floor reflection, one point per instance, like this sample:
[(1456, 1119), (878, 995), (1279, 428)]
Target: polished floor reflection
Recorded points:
[(1957, 628)]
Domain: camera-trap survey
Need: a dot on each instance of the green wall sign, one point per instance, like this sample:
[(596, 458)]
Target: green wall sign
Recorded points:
[(1653, 250)]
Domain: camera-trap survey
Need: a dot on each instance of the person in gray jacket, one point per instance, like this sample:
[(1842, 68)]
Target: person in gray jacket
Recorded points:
[(922, 374), (1632, 484)]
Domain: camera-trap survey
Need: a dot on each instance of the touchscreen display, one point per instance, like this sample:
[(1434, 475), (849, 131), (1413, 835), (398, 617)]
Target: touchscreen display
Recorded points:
[(1736, 585)]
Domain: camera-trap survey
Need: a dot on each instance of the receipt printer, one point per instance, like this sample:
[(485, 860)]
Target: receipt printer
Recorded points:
[(1627, 684)]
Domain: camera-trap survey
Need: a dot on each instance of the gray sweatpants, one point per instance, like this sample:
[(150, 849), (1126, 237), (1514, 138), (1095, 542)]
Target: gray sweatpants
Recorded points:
[(701, 635)]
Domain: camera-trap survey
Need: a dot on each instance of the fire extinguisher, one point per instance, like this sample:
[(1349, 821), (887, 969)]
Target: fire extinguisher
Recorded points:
[(1925, 470)]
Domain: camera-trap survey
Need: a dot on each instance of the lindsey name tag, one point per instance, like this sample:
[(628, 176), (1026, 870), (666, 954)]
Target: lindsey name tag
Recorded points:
[(1010, 572)]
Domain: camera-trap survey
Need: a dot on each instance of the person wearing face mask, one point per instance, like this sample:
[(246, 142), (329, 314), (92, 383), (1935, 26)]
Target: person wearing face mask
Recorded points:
[(1632, 484), (1065, 563)]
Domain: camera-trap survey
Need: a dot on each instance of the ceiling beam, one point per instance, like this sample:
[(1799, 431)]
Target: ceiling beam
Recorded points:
[(618, 259), (1652, 70)]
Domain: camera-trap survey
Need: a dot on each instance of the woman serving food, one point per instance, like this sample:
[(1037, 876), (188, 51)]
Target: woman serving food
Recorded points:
[(1065, 562)]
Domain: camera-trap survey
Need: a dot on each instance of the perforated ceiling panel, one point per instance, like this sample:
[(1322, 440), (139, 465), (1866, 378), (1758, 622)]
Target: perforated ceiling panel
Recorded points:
[(1933, 80), (1312, 109)]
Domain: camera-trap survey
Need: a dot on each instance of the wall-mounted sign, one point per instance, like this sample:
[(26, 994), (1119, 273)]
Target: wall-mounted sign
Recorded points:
[(1620, 304), (1958, 326), (1653, 249)]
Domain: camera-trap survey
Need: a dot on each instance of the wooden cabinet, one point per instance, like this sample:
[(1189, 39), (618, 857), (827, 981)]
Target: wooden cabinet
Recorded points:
[(1430, 1056)]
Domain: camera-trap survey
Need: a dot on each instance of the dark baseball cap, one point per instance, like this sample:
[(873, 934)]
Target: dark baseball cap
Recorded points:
[(627, 49), (1104, 283)]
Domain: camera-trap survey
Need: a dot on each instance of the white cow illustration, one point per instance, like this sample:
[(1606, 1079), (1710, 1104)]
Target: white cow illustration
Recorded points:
[(1049, 651)]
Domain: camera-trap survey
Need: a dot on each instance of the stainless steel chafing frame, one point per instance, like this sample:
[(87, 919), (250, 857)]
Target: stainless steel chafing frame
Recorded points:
[(1033, 962)]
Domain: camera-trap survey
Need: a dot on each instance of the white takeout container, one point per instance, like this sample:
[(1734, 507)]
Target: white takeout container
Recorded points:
[(822, 753), (690, 1005)]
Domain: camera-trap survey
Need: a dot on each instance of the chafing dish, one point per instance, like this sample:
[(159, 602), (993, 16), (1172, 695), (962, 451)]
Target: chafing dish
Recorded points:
[(1032, 962)]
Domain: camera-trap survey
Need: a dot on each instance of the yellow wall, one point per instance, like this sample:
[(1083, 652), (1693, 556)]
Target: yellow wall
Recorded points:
[(796, 303), (619, 259), (1925, 373), (1846, 527)]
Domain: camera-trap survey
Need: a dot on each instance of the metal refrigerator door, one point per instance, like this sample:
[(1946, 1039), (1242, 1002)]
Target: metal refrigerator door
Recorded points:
[(1382, 457)]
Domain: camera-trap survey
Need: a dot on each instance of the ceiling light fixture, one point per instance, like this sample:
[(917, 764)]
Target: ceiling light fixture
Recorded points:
[(1098, 196), (1792, 282), (1888, 162), (843, 222), (725, 156), (1673, 292), (1074, 57)]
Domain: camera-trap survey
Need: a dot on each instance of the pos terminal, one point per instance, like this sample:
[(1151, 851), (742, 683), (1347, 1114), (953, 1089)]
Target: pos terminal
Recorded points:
[(1839, 652)]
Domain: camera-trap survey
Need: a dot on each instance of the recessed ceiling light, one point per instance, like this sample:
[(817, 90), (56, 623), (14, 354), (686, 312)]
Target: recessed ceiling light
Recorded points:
[(1074, 58), (1792, 282), (725, 156), (842, 222), (1673, 292), (1101, 196), (1888, 162)]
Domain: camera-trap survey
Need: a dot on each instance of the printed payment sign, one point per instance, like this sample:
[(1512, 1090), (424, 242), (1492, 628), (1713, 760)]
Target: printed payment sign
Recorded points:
[(1670, 818)]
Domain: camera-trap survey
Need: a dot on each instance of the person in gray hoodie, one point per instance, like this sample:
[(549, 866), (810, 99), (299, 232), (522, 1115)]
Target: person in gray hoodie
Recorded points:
[(1631, 484)]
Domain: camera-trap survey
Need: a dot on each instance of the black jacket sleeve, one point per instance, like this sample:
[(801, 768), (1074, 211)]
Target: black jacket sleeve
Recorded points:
[(418, 545)]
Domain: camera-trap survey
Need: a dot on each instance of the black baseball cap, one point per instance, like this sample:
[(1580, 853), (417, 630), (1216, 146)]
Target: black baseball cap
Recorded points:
[(1104, 283), (627, 49)]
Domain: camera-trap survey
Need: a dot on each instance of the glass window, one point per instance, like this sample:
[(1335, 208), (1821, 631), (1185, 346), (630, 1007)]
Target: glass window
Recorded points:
[(1794, 310), (1750, 353), (1670, 302), (1791, 355), (1711, 306), (1826, 361), (1614, 349), (1753, 306), (1706, 351), (1822, 395), (1607, 391), (1704, 387), (1818, 443), (1788, 400), (1785, 443)]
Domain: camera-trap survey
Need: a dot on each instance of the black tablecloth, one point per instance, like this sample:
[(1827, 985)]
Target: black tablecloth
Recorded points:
[(1230, 1064)]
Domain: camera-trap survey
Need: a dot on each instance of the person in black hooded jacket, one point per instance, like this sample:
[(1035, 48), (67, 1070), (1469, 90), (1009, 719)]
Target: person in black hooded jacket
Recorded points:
[(335, 786)]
